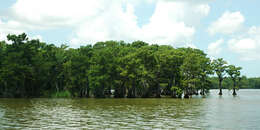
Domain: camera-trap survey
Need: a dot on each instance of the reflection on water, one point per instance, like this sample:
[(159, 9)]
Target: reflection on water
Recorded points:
[(212, 112)]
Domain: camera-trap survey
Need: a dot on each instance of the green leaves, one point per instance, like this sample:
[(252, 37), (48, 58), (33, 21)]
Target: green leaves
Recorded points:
[(234, 73), (219, 66), (30, 68)]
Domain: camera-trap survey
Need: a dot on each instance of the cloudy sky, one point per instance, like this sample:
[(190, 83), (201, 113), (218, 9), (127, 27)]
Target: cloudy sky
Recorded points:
[(222, 28)]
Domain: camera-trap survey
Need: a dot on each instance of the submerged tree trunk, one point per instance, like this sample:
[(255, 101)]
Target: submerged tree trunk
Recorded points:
[(234, 88), (195, 92), (234, 92), (186, 94), (202, 92), (220, 87)]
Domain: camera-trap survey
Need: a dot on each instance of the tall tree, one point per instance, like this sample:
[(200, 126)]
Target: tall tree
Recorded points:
[(220, 66), (234, 73), (190, 70)]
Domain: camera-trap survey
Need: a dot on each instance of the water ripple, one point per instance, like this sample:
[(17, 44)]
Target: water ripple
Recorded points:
[(198, 113)]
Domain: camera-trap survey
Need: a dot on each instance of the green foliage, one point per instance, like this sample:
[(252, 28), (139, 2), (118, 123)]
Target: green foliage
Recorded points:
[(63, 94), (234, 73), (30, 68), (220, 67), (245, 83), (177, 90)]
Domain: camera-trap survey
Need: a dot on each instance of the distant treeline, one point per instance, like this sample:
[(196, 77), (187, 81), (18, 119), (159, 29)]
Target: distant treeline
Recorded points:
[(246, 83), (30, 68)]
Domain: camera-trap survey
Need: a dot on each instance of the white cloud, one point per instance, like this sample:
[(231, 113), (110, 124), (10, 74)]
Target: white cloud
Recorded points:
[(114, 24), (215, 47), (228, 23), (43, 14), (99, 20), (247, 46), (169, 24), (10, 27), (191, 45), (185, 11), (13, 27), (37, 37)]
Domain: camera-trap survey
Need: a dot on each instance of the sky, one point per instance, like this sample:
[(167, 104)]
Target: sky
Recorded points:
[(228, 29)]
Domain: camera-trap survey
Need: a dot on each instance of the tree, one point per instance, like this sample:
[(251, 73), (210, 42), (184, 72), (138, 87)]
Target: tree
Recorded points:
[(220, 66), (205, 70), (234, 73), (190, 70), (171, 59), (30, 68)]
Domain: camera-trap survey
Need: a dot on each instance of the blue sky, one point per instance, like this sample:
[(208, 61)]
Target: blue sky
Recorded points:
[(229, 29)]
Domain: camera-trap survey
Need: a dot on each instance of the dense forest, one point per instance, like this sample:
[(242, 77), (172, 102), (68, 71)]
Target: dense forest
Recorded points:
[(30, 68)]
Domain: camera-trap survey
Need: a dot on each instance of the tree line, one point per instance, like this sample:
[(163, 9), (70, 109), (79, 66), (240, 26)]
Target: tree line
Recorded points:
[(30, 68), (246, 83)]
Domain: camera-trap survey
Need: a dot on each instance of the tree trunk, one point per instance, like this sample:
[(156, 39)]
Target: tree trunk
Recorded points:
[(57, 87), (180, 96), (234, 92), (202, 92), (174, 95), (220, 87), (119, 91), (134, 91), (87, 89), (131, 91), (158, 91), (122, 90), (186, 94), (109, 91), (234, 88), (168, 90)]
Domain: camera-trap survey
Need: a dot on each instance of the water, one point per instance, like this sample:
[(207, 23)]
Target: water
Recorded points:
[(212, 112)]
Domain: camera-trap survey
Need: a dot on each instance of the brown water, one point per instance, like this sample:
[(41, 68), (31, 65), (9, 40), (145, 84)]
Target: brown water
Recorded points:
[(212, 112)]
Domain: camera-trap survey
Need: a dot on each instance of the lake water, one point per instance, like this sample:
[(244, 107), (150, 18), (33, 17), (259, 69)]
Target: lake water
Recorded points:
[(212, 112)]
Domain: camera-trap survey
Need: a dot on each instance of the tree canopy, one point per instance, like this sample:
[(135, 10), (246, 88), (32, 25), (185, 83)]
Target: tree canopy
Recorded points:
[(30, 68)]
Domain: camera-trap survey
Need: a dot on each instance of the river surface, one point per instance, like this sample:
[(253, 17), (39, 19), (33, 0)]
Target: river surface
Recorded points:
[(212, 112)]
